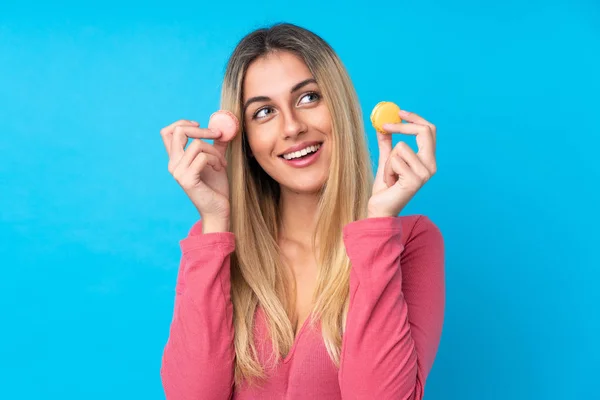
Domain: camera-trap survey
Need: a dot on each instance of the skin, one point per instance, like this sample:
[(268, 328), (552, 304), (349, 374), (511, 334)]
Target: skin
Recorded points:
[(280, 119), (291, 115), (287, 119)]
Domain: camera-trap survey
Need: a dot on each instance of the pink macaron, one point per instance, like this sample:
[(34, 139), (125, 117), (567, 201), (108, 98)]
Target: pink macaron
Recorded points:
[(225, 122)]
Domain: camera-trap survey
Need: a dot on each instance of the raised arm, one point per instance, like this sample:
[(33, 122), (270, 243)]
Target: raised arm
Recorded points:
[(395, 319), (198, 357)]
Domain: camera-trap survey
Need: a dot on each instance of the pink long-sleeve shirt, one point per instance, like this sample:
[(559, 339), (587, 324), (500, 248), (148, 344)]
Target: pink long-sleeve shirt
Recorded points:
[(393, 328)]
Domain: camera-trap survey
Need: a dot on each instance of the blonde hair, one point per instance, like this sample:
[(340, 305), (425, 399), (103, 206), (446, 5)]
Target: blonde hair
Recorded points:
[(258, 276)]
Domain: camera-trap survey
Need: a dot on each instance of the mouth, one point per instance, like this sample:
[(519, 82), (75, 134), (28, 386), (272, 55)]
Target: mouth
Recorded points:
[(304, 157)]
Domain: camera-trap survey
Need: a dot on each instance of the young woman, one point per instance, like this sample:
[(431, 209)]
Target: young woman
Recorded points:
[(300, 280)]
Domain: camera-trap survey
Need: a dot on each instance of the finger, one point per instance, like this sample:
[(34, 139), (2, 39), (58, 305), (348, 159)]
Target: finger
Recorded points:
[(425, 140), (417, 119), (202, 160), (384, 143), (401, 171), (407, 154), (199, 146), (393, 168), (221, 146), (187, 177), (211, 149), (182, 133), (167, 132)]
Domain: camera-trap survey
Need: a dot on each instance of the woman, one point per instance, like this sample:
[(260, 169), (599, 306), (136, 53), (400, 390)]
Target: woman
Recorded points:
[(300, 280)]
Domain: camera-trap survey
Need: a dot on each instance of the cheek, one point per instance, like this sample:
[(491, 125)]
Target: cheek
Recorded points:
[(260, 143), (324, 121)]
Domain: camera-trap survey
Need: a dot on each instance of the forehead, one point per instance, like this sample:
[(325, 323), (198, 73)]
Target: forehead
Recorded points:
[(274, 73)]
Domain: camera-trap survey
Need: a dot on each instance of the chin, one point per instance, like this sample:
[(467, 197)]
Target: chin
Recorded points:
[(311, 187), (307, 191), (300, 181)]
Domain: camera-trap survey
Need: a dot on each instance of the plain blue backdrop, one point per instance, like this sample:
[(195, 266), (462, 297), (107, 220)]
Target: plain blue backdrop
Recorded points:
[(90, 218)]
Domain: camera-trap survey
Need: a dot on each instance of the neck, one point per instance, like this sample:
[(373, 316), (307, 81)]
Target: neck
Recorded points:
[(298, 216)]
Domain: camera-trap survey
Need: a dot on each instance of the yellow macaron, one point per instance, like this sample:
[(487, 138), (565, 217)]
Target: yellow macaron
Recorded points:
[(385, 112)]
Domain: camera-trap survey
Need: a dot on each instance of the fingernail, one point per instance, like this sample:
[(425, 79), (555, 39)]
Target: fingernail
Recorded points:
[(194, 122), (404, 112)]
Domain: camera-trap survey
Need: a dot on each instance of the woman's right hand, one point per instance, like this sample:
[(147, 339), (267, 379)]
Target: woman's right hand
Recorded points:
[(200, 169)]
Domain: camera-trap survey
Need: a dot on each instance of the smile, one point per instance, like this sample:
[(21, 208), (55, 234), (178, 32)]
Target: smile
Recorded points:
[(302, 153), (304, 157)]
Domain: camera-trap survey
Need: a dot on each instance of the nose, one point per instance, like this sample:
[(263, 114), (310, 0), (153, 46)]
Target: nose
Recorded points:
[(293, 125)]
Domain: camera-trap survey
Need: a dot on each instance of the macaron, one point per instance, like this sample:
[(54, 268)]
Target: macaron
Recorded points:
[(385, 112), (225, 122)]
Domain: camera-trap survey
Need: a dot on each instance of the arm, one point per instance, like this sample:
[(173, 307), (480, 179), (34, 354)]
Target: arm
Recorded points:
[(396, 308), (198, 357)]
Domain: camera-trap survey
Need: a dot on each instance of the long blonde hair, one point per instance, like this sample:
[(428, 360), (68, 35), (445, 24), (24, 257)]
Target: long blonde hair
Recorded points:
[(258, 276)]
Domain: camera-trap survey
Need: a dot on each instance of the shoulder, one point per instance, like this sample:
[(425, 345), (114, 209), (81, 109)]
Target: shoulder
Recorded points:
[(420, 228), (423, 258)]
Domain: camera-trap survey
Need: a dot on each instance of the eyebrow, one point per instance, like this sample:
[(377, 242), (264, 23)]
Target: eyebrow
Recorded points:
[(295, 88)]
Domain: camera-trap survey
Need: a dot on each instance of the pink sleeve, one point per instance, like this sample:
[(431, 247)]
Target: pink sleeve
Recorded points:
[(396, 309), (198, 357)]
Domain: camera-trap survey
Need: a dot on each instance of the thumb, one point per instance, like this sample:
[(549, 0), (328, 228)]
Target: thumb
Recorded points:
[(221, 145), (384, 142)]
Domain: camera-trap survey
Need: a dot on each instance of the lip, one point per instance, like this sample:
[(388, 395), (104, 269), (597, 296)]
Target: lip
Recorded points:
[(300, 146), (305, 161)]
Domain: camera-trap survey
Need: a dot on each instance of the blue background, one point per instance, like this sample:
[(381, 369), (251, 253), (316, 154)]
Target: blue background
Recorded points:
[(90, 218)]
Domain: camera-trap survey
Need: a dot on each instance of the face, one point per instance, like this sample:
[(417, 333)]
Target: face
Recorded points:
[(288, 125)]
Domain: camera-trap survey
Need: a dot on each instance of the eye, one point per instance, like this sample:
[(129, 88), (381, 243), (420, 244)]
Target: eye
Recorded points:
[(314, 95), (261, 114)]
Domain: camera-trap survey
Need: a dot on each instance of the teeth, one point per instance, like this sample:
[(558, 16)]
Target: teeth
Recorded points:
[(303, 152)]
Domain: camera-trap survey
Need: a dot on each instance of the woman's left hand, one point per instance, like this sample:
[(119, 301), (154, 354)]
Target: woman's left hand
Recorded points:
[(401, 172)]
